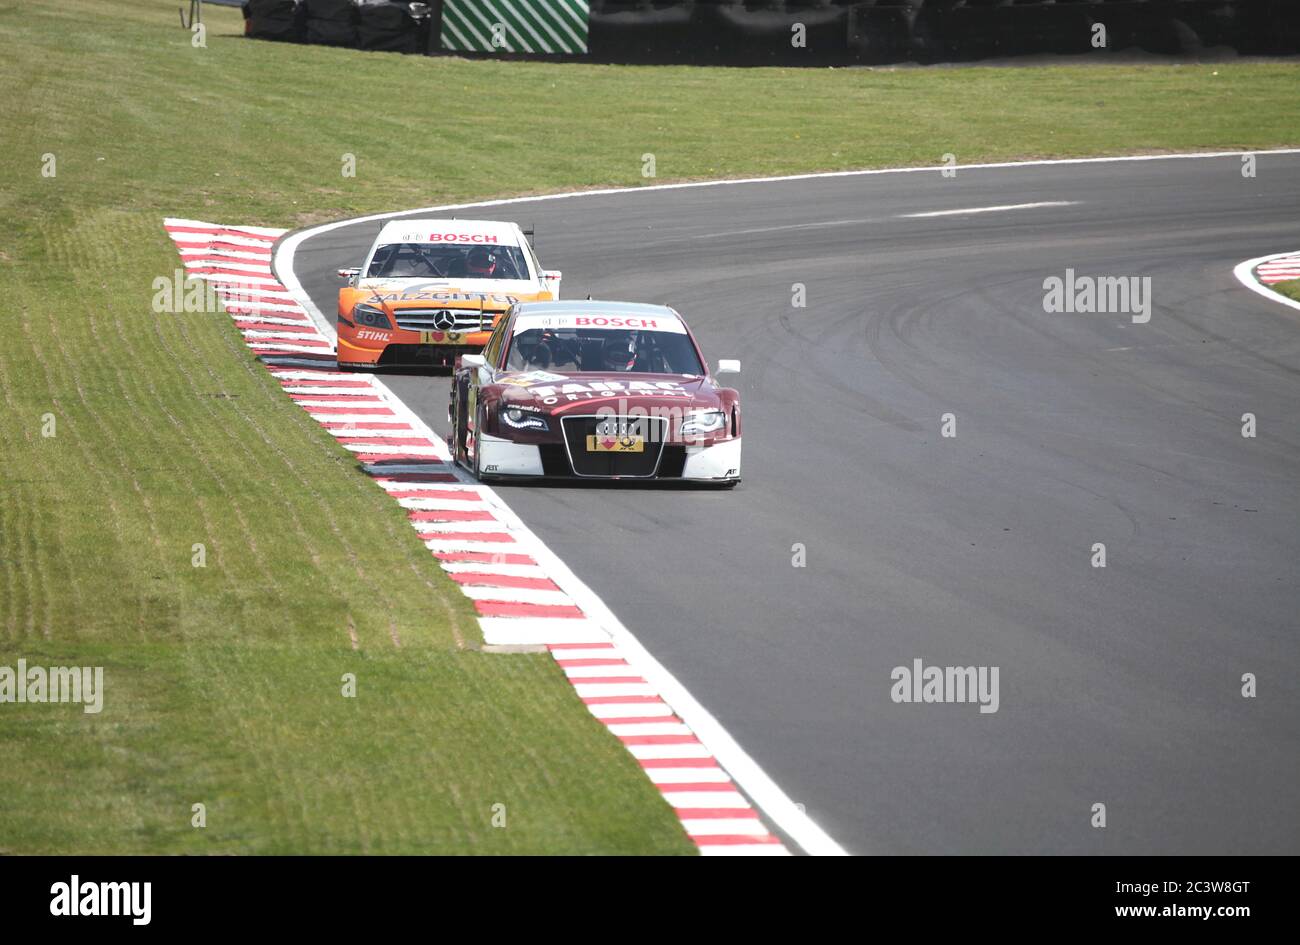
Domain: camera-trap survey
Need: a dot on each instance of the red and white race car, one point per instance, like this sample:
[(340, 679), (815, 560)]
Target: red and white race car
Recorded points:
[(611, 390)]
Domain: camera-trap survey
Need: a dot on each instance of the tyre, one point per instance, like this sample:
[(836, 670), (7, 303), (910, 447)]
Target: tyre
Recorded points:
[(478, 452), (459, 454)]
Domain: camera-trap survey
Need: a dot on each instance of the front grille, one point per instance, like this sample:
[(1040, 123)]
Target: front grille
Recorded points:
[(555, 460), (643, 464), (423, 355), (422, 319), (673, 463)]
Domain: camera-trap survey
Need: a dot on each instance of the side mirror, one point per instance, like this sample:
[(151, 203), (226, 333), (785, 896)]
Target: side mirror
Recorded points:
[(473, 360), (551, 282), (349, 274), (728, 366)]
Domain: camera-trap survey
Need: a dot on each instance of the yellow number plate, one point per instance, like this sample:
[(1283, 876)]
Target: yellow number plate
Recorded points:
[(615, 444), (439, 337)]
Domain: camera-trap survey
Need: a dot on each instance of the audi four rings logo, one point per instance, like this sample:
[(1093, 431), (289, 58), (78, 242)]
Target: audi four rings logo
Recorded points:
[(444, 320), (618, 427)]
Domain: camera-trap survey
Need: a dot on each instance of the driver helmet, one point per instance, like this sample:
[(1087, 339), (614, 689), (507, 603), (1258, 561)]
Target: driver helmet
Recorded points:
[(619, 353), (481, 262)]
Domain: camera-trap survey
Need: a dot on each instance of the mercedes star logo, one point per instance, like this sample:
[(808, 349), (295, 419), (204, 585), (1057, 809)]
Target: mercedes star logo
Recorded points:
[(444, 320)]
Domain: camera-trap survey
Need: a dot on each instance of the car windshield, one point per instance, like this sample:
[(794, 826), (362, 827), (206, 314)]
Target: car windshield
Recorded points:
[(602, 350), (441, 261)]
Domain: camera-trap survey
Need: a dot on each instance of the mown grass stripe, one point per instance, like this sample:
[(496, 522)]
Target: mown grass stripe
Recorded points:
[(222, 681)]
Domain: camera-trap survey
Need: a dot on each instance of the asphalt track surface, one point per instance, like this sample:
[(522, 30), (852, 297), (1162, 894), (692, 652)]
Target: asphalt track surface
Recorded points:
[(1119, 686)]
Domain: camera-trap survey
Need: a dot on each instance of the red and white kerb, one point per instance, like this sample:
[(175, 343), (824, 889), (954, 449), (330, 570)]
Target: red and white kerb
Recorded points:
[(494, 558)]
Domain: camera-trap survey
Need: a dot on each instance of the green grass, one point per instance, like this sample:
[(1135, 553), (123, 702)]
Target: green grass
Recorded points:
[(141, 120), (1290, 288), (223, 681)]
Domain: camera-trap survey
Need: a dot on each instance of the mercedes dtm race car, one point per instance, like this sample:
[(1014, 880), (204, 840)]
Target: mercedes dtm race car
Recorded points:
[(607, 390), (432, 289)]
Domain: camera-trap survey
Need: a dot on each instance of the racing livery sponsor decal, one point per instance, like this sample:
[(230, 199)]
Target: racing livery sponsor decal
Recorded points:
[(531, 378), (614, 322), (399, 291), (446, 236), (461, 238), (551, 394)]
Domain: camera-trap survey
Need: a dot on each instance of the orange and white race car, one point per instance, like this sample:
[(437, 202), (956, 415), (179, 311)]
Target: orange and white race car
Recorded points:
[(431, 290)]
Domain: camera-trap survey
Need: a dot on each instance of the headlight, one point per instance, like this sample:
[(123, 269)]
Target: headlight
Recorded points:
[(703, 421), (522, 419), (370, 316)]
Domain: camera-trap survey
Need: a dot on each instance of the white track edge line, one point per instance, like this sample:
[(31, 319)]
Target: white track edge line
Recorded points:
[(288, 245), (744, 771), (1000, 208), (769, 797)]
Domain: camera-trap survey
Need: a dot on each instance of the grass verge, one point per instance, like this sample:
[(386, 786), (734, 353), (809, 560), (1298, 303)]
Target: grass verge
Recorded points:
[(223, 682), (1290, 288)]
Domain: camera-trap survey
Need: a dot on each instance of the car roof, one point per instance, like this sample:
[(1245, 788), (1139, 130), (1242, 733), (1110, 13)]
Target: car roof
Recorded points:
[(596, 307), (419, 231), (591, 314)]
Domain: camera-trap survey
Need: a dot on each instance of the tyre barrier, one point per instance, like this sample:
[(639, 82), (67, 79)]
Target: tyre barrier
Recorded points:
[(376, 24), (273, 19), (392, 28), (788, 32), (331, 22)]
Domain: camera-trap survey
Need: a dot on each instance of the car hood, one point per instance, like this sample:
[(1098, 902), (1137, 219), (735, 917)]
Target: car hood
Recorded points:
[(453, 292), (557, 392)]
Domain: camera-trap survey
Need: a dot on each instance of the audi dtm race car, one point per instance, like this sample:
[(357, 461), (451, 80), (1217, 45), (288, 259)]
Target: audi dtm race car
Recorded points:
[(607, 390), (432, 289)]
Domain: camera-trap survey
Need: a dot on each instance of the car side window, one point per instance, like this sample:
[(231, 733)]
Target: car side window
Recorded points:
[(492, 352), (533, 260)]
